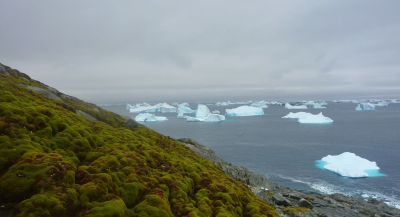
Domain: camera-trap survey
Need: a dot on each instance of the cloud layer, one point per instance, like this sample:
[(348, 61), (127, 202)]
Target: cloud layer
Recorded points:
[(108, 51)]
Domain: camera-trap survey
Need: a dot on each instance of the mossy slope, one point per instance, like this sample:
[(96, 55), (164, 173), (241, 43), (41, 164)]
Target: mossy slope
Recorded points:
[(54, 161)]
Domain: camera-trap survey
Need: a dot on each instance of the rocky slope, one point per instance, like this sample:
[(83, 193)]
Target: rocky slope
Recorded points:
[(60, 156)]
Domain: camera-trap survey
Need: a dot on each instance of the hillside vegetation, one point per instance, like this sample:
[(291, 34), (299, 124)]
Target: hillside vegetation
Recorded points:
[(60, 156)]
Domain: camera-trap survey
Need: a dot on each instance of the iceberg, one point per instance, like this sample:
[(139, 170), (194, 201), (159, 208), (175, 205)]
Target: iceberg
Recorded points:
[(165, 108), (147, 117), (141, 107), (349, 165), (260, 104), (365, 106), (147, 108), (290, 106), (184, 108), (308, 118), (203, 114), (245, 110)]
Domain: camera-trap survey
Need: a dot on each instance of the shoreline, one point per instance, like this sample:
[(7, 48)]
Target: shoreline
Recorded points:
[(292, 202)]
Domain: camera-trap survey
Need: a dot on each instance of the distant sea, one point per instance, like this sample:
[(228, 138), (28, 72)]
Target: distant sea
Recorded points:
[(285, 151)]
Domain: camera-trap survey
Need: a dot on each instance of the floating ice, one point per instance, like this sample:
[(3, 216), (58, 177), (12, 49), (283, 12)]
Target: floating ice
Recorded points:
[(245, 110), (147, 117), (308, 118), (145, 107), (260, 104), (290, 106), (227, 103), (365, 106), (203, 114), (350, 165), (316, 105), (141, 107), (184, 108)]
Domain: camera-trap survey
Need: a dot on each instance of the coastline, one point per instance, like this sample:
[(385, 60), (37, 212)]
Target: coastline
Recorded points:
[(291, 202)]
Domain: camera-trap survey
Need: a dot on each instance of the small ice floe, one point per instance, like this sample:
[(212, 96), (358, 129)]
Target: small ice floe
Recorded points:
[(349, 165), (308, 118), (365, 106), (316, 105), (290, 106), (245, 110), (147, 117), (260, 104)]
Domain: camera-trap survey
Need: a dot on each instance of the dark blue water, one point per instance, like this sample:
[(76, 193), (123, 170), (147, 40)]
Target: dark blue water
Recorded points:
[(285, 150)]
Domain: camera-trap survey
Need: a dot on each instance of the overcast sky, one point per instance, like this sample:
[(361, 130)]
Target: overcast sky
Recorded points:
[(116, 51)]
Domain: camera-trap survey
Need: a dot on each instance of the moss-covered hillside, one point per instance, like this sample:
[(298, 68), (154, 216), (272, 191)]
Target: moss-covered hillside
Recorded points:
[(60, 156)]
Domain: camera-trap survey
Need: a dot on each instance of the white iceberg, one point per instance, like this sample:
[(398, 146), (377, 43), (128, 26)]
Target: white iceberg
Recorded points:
[(350, 165), (260, 104), (365, 106), (183, 109), (147, 108), (308, 118), (165, 108), (245, 110), (141, 107), (203, 114), (290, 106), (147, 117)]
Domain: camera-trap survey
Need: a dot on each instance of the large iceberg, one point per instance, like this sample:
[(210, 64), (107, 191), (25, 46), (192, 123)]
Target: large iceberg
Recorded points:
[(290, 106), (365, 106), (308, 118), (203, 114), (245, 110), (147, 117), (350, 165)]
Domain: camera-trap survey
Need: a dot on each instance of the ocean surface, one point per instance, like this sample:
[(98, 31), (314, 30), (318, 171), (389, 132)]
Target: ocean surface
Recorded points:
[(286, 151)]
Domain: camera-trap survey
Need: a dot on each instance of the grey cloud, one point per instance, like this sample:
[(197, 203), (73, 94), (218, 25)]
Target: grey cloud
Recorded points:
[(127, 50)]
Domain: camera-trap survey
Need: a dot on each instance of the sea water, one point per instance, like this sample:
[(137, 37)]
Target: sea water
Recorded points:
[(286, 151)]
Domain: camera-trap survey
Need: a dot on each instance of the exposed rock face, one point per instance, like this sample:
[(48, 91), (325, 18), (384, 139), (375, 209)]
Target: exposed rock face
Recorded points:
[(290, 202)]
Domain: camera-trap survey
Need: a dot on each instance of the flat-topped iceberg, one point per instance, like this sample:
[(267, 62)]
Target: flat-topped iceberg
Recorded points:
[(290, 106), (141, 107), (203, 114), (350, 165), (245, 110), (308, 118), (147, 117), (365, 106), (147, 108)]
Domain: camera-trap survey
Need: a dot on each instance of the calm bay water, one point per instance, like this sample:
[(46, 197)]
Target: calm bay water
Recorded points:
[(285, 150)]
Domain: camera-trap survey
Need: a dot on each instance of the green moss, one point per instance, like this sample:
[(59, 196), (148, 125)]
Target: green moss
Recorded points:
[(114, 208), (66, 165), (41, 205)]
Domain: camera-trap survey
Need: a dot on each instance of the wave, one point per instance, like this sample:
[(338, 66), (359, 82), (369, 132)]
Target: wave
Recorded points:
[(327, 188)]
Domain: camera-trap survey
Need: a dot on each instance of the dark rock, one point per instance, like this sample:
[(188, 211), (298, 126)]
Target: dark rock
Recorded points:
[(305, 203), (280, 200)]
